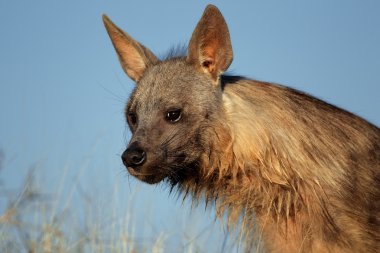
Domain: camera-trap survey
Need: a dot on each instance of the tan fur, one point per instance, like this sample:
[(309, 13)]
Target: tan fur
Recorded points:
[(286, 176)]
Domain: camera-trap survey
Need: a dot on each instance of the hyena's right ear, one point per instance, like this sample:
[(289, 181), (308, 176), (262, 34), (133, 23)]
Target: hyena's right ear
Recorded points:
[(210, 49), (134, 57)]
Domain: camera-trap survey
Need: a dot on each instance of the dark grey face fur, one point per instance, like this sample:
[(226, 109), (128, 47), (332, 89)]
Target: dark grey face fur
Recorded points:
[(175, 101), (166, 113)]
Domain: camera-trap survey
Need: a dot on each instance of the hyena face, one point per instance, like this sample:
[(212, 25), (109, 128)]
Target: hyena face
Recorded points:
[(175, 100), (166, 113)]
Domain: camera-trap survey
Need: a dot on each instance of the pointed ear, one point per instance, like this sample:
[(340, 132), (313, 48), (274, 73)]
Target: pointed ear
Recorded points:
[(134, 57), (210, 47)]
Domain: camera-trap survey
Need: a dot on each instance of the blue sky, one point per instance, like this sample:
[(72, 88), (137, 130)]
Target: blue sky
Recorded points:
[(62, 91)]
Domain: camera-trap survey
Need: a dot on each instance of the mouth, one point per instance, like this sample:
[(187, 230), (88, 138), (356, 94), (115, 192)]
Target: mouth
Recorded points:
[(175, 175), (150, 178)]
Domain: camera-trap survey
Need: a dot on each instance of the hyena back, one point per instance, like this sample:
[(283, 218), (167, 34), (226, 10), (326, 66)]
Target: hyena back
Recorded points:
[(301, 174)]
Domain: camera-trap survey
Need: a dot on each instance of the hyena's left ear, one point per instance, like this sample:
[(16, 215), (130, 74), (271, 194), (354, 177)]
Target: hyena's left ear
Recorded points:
[(210, 47), (134, 57)]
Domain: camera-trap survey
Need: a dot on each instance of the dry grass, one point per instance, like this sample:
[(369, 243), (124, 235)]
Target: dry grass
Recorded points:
[(36, 220)]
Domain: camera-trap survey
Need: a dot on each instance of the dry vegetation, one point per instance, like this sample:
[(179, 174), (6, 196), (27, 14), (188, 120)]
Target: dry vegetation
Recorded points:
[(35, 220)]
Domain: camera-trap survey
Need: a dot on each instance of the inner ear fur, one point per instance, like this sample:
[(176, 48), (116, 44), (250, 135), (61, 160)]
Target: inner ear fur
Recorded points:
[(210, 47), (133, 56)]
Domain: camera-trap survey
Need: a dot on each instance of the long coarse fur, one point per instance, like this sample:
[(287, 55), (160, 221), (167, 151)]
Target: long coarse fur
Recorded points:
[(308, 172)]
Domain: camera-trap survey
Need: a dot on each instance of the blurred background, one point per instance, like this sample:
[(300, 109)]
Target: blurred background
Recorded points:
[(62, 93)]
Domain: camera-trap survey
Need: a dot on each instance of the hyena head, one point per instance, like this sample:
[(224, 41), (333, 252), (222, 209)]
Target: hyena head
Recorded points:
[(177, 103)]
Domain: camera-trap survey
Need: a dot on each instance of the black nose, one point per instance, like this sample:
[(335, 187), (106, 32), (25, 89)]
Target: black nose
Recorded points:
[(133, 156)]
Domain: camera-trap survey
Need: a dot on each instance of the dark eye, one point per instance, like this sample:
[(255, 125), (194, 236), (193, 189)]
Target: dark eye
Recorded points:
[(132, 118), (173, 115)]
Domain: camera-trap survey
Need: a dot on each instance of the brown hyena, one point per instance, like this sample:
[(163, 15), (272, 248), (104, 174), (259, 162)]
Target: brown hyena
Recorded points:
[(298, 174)]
